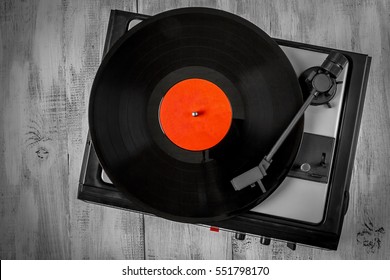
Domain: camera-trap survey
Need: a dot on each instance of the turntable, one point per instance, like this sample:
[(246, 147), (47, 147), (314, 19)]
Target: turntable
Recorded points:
[(191, 117)]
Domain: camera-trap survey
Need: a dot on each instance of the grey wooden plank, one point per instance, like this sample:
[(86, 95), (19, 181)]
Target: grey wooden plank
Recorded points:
[(50, 51), (97, 232), (171, 240), (34, 212)]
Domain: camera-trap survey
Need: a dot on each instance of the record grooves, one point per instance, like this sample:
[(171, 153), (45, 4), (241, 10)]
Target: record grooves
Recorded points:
[(193, 43)]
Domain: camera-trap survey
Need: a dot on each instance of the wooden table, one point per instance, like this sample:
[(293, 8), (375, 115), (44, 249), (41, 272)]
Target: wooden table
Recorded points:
[(49, 54)]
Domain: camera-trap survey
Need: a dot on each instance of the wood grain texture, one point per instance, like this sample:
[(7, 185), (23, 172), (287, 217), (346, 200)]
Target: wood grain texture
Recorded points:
[(170, 240), (49, 54), (50, 51), (98, 232)]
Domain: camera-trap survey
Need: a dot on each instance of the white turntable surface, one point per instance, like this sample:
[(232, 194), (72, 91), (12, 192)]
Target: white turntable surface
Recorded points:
[(300, 199)]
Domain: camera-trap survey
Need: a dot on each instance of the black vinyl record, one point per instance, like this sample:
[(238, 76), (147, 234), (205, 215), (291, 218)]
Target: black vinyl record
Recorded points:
[(232, 53)]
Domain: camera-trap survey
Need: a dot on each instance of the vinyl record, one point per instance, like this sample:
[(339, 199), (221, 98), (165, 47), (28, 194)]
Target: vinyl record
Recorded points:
[(131, 117)]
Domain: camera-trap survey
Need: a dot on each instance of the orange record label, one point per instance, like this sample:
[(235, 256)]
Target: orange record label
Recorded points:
[(195, 114)]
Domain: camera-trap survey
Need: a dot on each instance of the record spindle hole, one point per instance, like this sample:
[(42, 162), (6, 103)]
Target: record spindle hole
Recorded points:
[(195, 114)]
